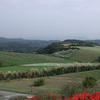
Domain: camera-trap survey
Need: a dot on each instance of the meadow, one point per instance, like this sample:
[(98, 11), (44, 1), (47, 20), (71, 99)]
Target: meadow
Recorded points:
[(16, 59), (53, 84), (87, 54)]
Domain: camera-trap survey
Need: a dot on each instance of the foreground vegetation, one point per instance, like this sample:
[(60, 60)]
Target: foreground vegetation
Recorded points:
[(52, 84)]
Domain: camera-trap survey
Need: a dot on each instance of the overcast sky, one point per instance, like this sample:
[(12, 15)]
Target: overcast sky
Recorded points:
[(50, 19)]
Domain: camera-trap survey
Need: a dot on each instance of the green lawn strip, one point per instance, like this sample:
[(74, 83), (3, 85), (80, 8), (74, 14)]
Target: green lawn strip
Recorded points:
[(94, 73), (19, 68)]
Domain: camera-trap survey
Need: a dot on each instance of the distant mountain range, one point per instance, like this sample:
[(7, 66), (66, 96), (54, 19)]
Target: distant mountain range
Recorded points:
[(23, 45)]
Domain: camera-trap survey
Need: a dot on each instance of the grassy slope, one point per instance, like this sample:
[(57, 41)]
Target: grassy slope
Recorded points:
[(13, 59), (87, 54), (94, 73), (52, 84)]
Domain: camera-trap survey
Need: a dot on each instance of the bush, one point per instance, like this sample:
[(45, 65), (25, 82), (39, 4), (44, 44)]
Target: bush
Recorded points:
[(28, 73), (9, 75), (14, 75), (23, 75), (18, 98), (8, 80), (19, 74), (0, 64), (89, 82), (71, 88), (1, 75), (39, 82)]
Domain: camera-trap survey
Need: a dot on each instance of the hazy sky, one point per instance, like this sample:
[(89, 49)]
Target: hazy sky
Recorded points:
[(50, 19)]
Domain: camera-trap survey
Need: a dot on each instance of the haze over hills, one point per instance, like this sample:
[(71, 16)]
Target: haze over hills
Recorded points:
[(23, 45)]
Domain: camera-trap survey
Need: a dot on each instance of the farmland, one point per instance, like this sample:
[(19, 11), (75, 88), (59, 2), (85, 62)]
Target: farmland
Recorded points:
[(53, 84), (87, 54)]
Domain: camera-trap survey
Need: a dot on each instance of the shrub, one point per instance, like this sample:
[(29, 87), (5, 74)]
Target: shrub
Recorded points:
[(44, 72), (1, 75), (32, 74), (71, 88), (8, 80), (37, 74), (23, 75), (89, 82), (19, 74), (0, 64), (14, 75), (9, 75), (39, 82), (18, 98), (27, 73)]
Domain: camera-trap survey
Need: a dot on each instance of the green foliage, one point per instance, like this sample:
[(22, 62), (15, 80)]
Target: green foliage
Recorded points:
[(8, 80), (23, 75), (19, 74), (9, 75), (89, 82), (99, 59), (28, 73), (18, 98), (1, 75), (71, 88), (14, 75), (32, 74), (54, 47), (0, 64), (39, 82), (79, 43)]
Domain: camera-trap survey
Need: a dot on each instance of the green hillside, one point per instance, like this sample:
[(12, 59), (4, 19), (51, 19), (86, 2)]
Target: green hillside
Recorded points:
[(86, 54), (13, 59)]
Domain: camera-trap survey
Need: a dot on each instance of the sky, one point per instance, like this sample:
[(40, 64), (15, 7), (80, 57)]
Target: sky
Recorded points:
[(50, 19)]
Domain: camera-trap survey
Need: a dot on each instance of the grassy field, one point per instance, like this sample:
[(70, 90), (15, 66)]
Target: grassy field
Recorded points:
[(52, 84), (13, 59), (87, 54), (82, 75), (18, 68)]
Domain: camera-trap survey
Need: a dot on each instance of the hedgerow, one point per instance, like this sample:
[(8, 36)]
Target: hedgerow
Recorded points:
[(54, 71)]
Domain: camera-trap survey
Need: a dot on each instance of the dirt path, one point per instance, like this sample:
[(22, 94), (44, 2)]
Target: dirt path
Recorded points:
[(6, 94)]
